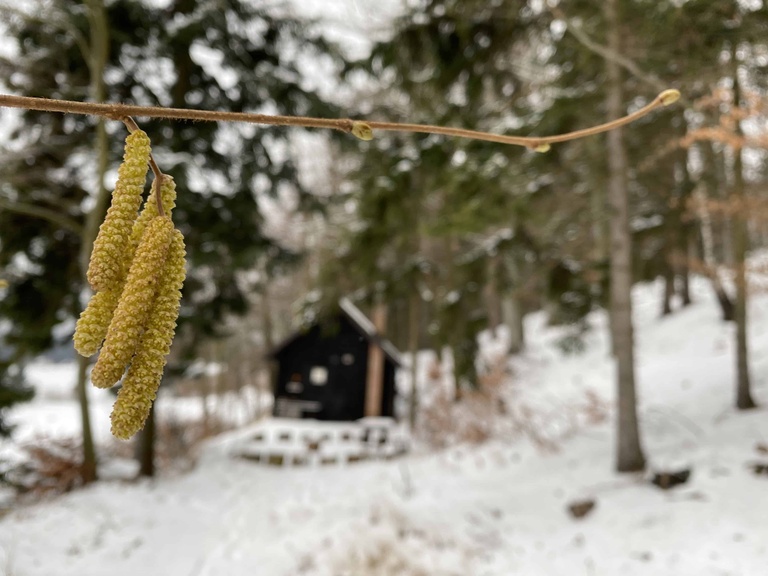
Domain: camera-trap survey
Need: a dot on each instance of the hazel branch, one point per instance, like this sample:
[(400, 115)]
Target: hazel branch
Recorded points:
[(361, 129)]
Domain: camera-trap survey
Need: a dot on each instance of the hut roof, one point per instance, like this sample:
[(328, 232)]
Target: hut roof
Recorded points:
[(361, 323)]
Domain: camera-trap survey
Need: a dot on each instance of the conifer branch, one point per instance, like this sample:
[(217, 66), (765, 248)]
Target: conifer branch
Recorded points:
[(54, 216), (361, 129), (59, 20)]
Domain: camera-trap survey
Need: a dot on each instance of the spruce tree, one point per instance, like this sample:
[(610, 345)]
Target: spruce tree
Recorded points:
[(424, 201), (12, 391)]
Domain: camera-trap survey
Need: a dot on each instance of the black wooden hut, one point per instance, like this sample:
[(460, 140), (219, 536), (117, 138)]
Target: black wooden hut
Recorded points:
[(323, 370)]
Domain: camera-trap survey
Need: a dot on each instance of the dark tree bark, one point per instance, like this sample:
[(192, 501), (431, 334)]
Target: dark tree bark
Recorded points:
[(629, 457), (414, 317), (145, 446), (669, 289), (727, 307), (686, 227)]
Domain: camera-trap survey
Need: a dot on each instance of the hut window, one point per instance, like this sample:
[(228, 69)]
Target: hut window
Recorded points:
[(294, 387), (347, 359), (318, 375)]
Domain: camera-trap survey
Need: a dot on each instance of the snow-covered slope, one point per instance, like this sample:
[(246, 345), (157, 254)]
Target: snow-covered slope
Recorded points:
[(489, 510)]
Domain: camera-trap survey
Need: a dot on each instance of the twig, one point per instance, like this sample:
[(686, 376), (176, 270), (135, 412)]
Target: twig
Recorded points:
[(361, 129), (603, 51)]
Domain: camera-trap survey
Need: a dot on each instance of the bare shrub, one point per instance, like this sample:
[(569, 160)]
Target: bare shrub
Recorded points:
[(492, 410), (446, 421), (389, 543), (179, 441), (52, 466)]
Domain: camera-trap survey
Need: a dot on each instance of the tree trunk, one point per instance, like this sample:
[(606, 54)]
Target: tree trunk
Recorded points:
[(491, 293), (268, 331), (512, 310), (512, 307), (708, 235), (685, 226), (669, 289), (145, 446), (88, 468), (202, 383), (740, 245), (414, 313), (727, 307), (629, 451), (374, 382), (97, 60), (725, 231), (685, 265)]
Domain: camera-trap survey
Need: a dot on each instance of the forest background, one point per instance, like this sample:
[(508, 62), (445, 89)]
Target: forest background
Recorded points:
[(453, 236)]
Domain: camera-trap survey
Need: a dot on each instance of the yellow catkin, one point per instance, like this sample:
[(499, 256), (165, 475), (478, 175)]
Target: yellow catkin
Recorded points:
[(106, 268), (94, 321), (135, 305), (140, 384), (149, 211)]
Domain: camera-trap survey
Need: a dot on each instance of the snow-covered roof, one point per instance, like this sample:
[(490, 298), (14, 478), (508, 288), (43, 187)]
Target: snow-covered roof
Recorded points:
[(363, 323)]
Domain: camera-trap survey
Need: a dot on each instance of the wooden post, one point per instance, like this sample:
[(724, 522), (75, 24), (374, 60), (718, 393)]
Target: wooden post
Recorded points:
[(374, 385)]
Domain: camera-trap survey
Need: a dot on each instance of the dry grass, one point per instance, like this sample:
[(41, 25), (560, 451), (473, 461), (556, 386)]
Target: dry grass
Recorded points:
[(52, 466), (446, 421), (389, 543), (492, 411)]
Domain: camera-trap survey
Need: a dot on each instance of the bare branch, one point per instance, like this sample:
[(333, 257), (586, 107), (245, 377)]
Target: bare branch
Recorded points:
[(359, 128), (604, 52)]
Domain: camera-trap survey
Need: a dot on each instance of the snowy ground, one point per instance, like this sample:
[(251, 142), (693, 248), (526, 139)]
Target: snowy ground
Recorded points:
[(489, 510)]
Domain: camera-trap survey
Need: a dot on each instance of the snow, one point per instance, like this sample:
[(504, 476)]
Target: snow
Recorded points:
[(53, 413), (491, 509)]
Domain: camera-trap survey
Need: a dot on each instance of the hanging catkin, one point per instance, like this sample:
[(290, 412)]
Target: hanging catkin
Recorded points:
[(135, 305), (106, 269), (94, 321), (139, 388), (149, 211), (137, 269)]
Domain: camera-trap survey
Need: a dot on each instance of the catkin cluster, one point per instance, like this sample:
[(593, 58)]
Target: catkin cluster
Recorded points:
[(137, 269)]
